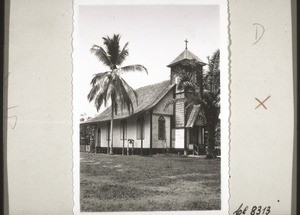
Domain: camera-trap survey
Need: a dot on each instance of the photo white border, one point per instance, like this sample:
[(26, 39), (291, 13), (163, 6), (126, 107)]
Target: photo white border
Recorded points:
[(224, 115)]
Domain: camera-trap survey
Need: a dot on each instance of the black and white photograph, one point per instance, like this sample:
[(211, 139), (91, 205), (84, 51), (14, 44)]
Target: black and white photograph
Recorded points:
[(148, 105)]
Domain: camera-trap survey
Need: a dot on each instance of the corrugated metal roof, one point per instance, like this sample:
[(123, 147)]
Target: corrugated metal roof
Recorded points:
[(186, 55), (148, 97)]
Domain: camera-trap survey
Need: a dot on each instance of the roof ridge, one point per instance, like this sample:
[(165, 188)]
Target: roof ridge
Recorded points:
[(152, 84), (148, 96)]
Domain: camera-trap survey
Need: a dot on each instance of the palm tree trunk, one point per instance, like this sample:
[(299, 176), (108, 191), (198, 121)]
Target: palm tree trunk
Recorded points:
[(111, 128)]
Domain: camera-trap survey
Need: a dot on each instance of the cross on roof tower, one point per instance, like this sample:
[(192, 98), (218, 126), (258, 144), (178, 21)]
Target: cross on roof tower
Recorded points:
[(186, 42)]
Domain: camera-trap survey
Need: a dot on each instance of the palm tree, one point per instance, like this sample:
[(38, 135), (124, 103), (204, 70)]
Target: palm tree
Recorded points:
[(212, 111), (212, 86), (109, 85), (212, 78), (204, 92)]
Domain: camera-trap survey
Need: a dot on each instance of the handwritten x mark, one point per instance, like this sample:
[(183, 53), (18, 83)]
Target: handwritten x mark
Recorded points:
[(262, 103), (15, 121)]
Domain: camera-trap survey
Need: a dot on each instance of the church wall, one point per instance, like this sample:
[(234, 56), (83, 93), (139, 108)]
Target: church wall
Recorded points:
[(156, 143), (179, 112), (179, 138), (131, 133), (173, 137), (117, 138), (103, 132)]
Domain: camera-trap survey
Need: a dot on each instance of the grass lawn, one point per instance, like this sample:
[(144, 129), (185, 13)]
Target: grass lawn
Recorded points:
[(144, 183)]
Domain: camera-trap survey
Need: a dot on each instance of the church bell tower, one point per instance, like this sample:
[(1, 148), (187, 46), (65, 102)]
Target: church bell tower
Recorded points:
[(185, 62)]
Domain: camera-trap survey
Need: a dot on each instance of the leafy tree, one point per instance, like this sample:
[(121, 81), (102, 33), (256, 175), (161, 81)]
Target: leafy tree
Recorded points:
[(109, 85), (87, 134), (212, 87), (212, 77)]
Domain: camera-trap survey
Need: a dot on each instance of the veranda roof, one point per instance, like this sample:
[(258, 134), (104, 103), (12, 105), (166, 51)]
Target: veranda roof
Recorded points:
[(195, 113), (186, 55), (148, 97)]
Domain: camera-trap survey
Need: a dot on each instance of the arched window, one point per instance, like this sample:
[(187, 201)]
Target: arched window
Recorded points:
[(123, 130), (140, 128), (161, 128)]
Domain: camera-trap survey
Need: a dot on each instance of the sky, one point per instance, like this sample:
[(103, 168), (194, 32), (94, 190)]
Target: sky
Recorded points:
[(156, 35)]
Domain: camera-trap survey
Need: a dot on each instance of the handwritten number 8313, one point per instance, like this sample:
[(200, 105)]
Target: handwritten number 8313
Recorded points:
[(255, 210)]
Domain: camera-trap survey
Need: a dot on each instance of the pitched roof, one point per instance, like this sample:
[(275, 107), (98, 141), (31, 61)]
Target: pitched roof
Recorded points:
[(186, 55), (148, 97)]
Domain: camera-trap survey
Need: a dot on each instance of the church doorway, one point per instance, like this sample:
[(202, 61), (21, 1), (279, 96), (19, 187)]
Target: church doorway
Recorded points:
[(196, 143)]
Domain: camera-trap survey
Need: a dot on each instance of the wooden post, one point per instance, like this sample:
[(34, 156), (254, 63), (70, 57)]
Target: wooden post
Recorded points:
[(203, 131), (127, 147), (107, 151), (150, 114), (84, 135), (142, 136), (132, 147), (185, 142), (96, 138), (123, 136), (112, 128), (199, 139), (123, 147), (194, 139), (170, 134)]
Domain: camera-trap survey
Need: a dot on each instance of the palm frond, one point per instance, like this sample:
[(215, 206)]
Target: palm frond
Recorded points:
[(99, 100), (212, 77), (99, 90), (99, 77), (113, 49), (105, 99), (101, 55), (110, 91), (132, 68), (185, 84), (126, 100), (192, 64), (93, 92), (123, 54), (122, 97), (129, 89)]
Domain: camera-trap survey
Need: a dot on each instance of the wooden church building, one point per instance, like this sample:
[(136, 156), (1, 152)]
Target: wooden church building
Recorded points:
[(153, 127)]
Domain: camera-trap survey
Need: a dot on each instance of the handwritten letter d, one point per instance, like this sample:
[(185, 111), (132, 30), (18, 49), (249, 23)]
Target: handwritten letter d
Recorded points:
[(259, 32)]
